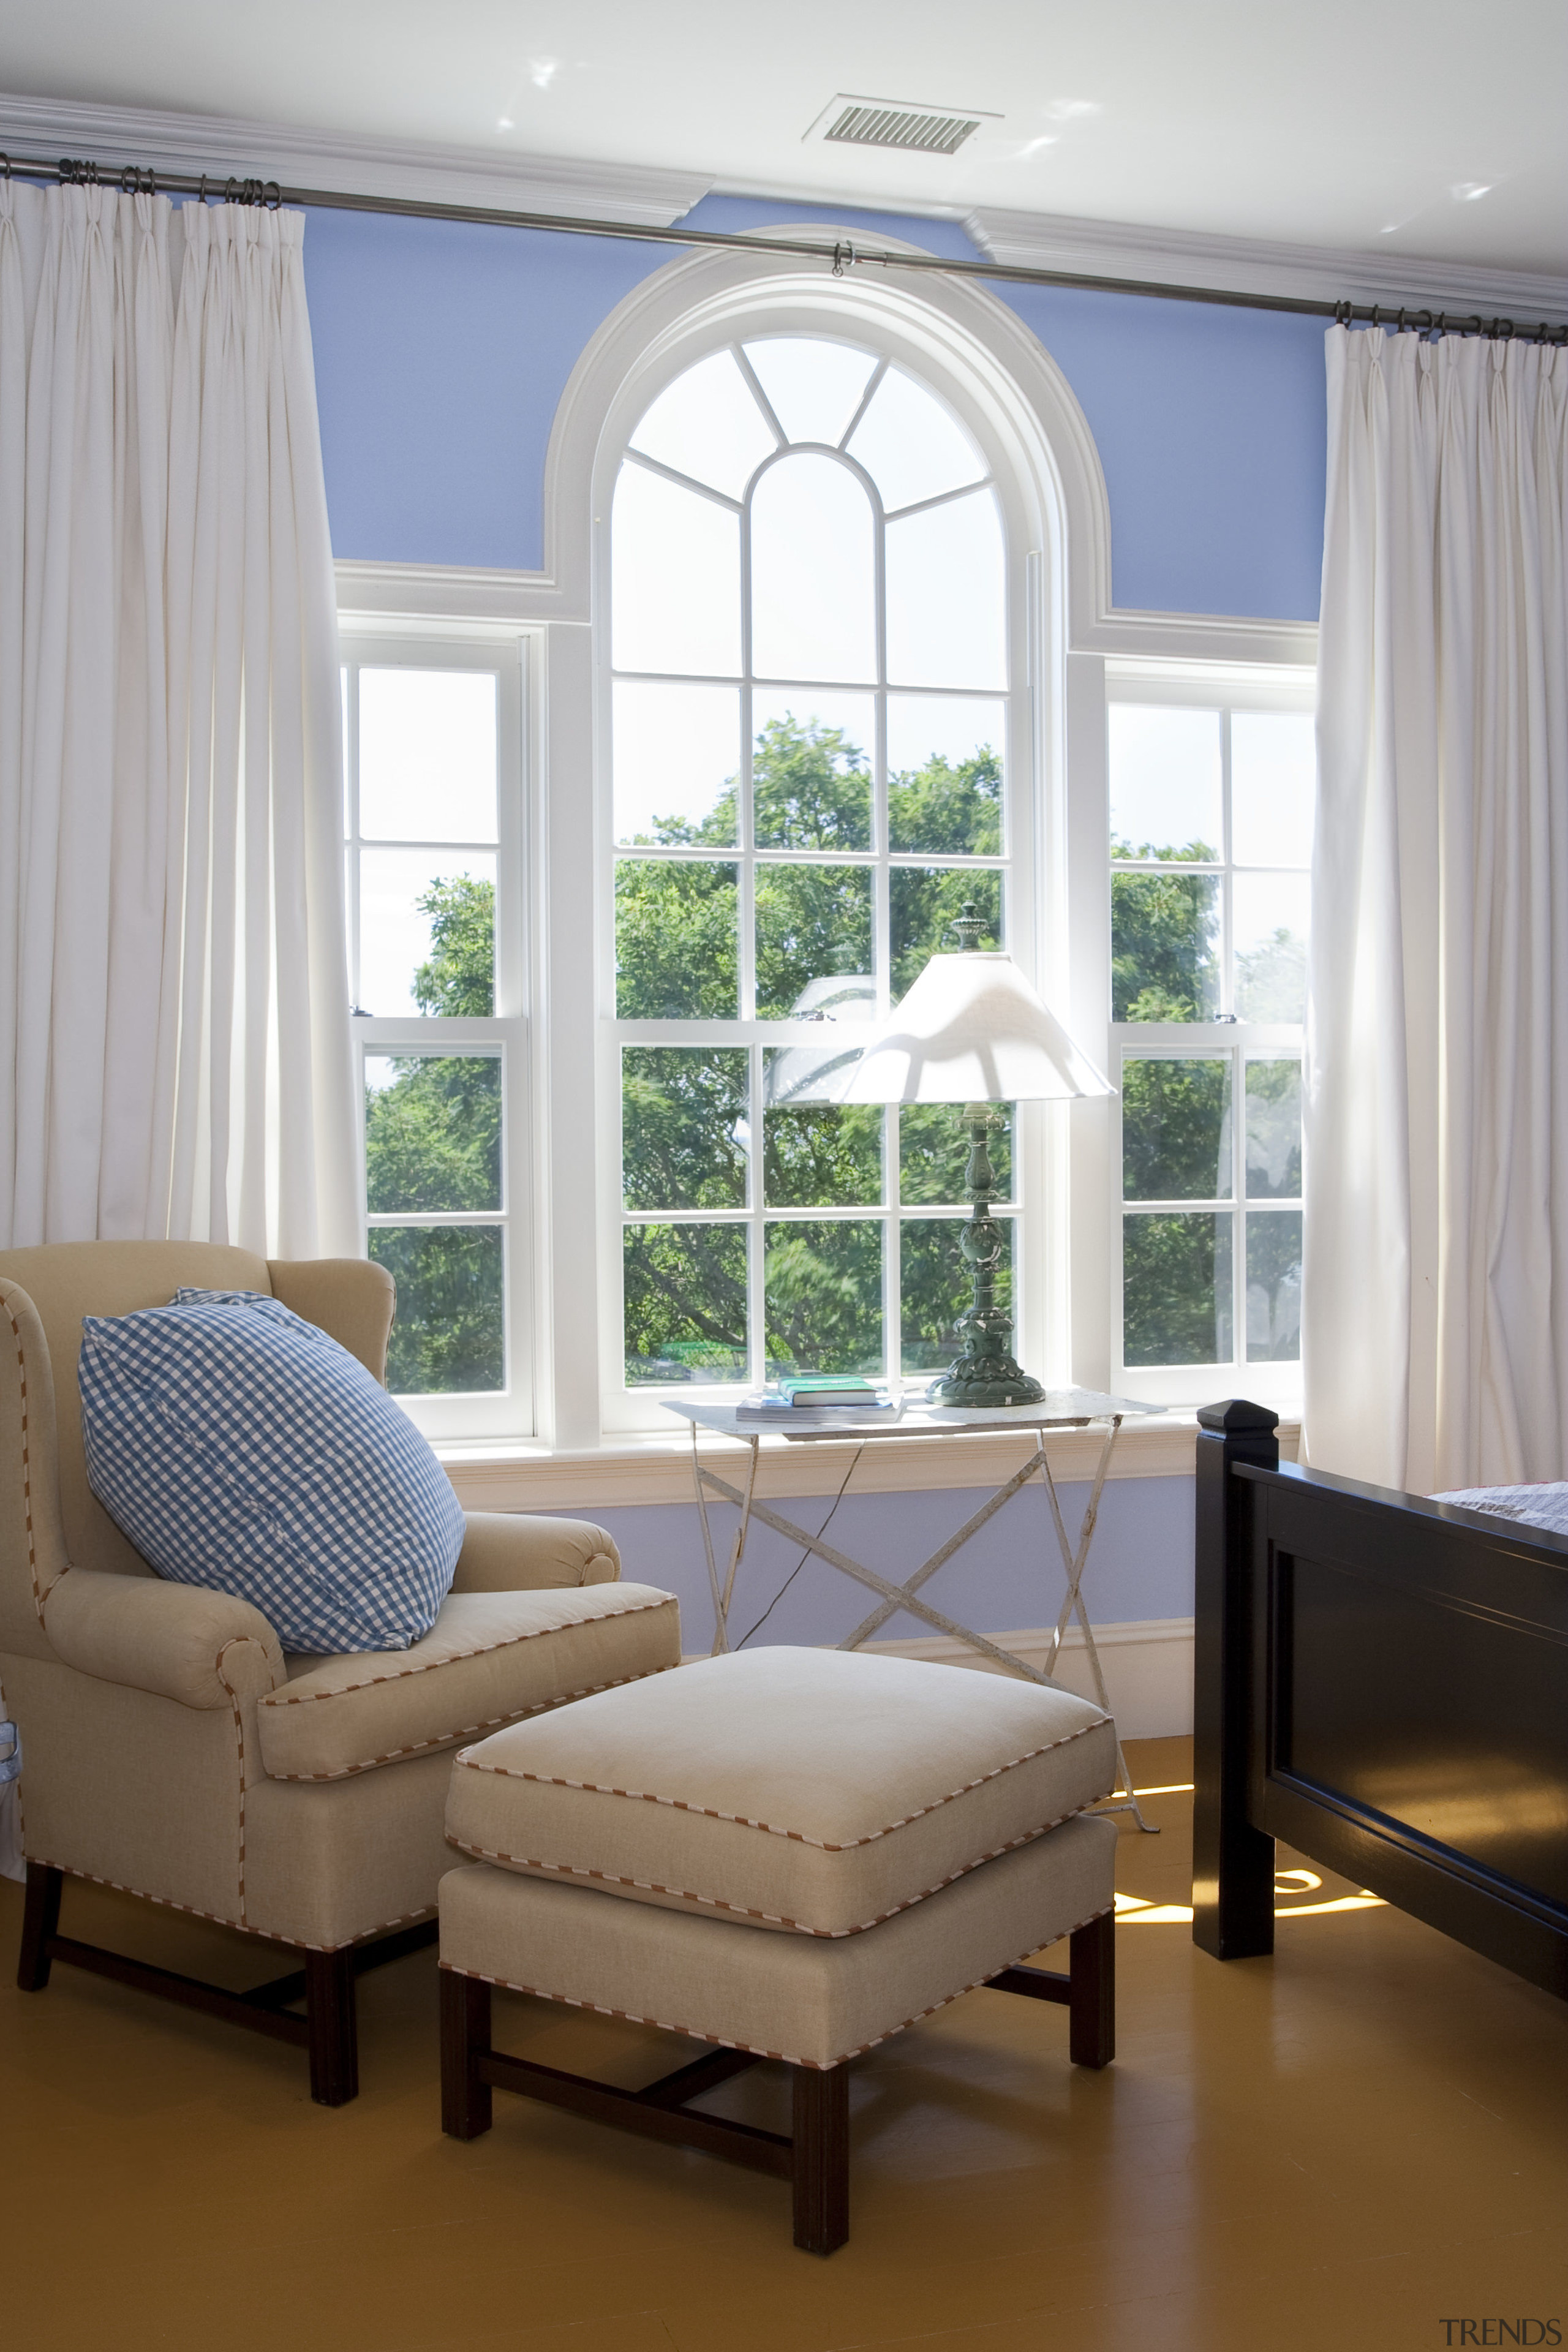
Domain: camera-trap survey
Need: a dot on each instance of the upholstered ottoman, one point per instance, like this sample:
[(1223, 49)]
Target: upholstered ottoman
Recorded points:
[(790, 1854)]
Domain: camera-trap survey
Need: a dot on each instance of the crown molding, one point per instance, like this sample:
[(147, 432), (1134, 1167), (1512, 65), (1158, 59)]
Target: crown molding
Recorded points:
[(413, 170), (1240, 265)]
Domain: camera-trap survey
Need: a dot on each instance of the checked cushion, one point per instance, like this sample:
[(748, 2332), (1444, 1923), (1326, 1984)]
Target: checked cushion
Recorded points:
[(239, 1448)]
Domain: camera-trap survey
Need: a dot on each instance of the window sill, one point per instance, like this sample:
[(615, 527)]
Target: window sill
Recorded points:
[(657, 1468)]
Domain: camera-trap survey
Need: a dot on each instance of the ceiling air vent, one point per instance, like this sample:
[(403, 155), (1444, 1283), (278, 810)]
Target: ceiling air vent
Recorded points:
[(885, 122)]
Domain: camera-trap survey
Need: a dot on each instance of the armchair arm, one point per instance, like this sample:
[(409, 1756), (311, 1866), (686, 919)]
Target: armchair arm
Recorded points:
[(178, 1641), (509, 1552)]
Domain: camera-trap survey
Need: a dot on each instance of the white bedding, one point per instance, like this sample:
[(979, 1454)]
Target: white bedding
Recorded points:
[(1544, 1505)]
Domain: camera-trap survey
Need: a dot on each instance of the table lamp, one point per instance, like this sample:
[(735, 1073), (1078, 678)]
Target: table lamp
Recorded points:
[(972, 1031)]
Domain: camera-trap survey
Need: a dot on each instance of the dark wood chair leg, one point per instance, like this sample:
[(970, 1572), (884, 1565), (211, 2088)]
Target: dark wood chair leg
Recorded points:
[(332, 2027), (40, 1921), (821, 2162), (38, 1925), (465, 2039), (1092, 1996)]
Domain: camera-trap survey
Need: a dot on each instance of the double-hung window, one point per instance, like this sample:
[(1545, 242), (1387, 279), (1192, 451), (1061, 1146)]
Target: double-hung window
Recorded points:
[(809, 721), (1213, 785), (432, 837)]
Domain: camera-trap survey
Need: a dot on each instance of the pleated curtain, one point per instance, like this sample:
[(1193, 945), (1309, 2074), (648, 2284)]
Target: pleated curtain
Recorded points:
[(175, 1057), (1435, 1303)]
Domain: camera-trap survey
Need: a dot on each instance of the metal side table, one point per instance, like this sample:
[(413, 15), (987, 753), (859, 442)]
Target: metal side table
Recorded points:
[(1058, 1409)]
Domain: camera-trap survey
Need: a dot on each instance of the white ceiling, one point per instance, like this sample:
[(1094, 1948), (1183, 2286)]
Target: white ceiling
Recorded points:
[(1371, 125)]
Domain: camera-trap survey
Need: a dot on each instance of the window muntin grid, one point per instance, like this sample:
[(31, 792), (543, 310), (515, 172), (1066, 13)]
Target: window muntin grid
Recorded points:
[(429, 737), (888, 877), (1211, 809)]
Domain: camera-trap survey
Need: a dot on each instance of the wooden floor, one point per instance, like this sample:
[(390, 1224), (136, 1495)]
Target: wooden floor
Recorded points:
[(1343, 2148)]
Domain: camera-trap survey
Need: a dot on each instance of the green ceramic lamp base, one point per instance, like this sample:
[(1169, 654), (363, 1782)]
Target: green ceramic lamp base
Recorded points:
[(986, 1375)]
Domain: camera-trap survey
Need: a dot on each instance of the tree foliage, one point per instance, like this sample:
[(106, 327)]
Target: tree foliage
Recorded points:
[(685, 1109), (433, 1143), (433, 1133)]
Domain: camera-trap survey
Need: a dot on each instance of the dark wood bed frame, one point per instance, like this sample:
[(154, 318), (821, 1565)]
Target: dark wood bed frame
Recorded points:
[(1382, 1682)]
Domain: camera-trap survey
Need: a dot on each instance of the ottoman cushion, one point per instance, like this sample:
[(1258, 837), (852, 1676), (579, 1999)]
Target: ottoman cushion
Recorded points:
[(812, 1791), (812, 2002)]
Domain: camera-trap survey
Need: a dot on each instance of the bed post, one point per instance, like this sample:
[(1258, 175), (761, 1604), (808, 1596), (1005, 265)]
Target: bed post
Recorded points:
[(1233, 1864)]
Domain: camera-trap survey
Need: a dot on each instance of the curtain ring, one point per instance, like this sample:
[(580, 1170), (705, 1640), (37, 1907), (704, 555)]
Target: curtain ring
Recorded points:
[(274, 202), (1427, 316), (5, 159), (1376, 320), (202, 191)]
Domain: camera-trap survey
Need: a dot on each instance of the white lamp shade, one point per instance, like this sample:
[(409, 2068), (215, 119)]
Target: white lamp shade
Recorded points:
[(971, 1030)]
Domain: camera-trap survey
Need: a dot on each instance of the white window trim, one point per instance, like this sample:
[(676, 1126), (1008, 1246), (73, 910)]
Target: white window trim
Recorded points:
[(546, 614), (1232, 687), (506, 1412)]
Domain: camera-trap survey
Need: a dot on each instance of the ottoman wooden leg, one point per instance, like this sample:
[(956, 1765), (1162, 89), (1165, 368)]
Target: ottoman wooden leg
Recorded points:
[(821, 2163), (1091, 1996), (466, 2104)]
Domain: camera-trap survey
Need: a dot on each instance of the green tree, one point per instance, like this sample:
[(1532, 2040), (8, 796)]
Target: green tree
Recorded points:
[(433, 1143), (684, 1109), (1165, 938)]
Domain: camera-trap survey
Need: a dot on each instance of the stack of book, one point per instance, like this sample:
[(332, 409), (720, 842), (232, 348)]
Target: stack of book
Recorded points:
[(812, 1391)]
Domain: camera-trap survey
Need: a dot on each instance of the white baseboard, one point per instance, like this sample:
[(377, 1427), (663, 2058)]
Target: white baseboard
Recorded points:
[(1147, 1664)]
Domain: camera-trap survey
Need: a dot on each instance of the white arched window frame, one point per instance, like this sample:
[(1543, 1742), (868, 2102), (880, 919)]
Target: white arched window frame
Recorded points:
[(1065, 640), (944, 354)]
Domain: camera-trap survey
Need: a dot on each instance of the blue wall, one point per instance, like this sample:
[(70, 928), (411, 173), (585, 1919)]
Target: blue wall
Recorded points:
[(443, 348), (1007, 1579)]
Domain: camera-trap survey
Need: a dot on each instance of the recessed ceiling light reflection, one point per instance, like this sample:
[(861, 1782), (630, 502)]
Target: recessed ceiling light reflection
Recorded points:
[(1467, 191)]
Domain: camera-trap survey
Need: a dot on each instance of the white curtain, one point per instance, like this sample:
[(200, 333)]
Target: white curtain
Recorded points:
[(1436, 1310), (175, 1056)]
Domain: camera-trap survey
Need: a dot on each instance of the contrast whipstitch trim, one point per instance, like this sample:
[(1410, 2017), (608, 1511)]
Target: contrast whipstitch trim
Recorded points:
[(445, 1738), (222, 1919), (284, 1697), (26, 1465), (758, 2050), (525, 1864), (774, 1829), (234, 1700)]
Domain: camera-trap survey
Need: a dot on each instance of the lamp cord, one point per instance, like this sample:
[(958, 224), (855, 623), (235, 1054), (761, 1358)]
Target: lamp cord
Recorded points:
[(806, 1555)]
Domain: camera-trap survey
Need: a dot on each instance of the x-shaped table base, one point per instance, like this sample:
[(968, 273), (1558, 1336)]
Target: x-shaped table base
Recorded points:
[(894, 1597)]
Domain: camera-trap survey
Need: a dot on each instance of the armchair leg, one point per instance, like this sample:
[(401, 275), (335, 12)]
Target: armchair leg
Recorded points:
[(40, 1924), (1091, 1996), (331, 2027), (820, 2168)]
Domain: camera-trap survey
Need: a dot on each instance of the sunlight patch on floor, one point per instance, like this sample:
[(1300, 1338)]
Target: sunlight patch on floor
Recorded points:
[(1135, 1911)]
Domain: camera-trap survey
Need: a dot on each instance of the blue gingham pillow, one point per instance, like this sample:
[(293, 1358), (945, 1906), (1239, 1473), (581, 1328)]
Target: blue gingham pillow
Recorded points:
[(240, 1448)]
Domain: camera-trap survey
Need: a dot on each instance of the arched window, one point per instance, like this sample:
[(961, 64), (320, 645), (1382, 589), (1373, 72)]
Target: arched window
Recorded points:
[(810, 647)]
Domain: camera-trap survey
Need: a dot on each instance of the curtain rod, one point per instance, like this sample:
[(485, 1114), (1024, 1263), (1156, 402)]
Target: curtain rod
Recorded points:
[(132, 179)]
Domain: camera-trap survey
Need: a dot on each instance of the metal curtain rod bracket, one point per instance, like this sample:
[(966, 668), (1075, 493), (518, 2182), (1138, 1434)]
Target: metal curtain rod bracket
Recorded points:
[(842, 258)]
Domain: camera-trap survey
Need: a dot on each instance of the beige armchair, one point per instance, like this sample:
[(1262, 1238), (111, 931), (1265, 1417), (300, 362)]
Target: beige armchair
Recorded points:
[(170, 1747)]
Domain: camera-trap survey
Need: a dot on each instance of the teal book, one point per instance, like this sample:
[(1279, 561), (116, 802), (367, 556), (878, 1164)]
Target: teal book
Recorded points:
[(828, 1388)]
